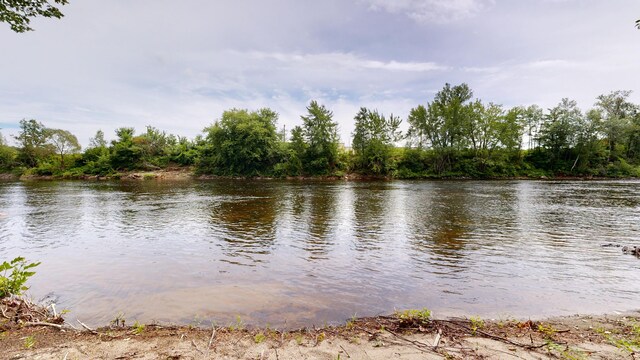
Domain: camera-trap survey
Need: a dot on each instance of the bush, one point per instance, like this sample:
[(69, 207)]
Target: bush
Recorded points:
[(13, 284)]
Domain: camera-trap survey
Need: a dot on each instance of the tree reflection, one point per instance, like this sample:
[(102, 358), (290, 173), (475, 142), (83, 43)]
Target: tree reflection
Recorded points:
[(245, 213)]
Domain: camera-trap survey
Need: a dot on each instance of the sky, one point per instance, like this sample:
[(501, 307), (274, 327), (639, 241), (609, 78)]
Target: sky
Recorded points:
[(177, 65)]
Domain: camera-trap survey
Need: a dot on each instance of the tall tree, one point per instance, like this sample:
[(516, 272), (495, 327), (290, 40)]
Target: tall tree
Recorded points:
[(321, 135), (32, 142), (373, 139), (18, 13), (559, 132), (615, 116), (64, 142)]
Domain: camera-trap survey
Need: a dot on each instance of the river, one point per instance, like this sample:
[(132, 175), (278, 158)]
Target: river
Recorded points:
[(292, 254)]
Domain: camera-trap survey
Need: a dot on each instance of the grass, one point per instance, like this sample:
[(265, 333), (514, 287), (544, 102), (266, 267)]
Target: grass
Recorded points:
[(138, 328), (259, 338), (29, 342)]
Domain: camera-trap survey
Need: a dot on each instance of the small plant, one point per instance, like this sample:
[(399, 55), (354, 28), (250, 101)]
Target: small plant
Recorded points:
[(476, 324), (239, 325), (29, 341), (138, 328), (119, 320), (547, 329), (409, 317), (13, 283), (320, 338), (259, 338), (299, 339)]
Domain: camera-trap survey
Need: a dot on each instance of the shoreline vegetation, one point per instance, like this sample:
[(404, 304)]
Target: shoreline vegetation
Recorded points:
[(455, 136), (28, 330)]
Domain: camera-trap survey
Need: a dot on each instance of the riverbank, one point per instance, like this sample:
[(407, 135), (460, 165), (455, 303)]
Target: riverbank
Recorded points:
[(405, 335), (187, 173)]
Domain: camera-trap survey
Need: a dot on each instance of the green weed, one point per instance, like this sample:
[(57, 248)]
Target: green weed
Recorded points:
[(259, 338), (29, 341), (13, 283)]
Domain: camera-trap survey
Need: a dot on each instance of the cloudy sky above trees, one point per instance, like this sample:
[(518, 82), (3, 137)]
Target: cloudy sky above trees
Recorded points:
[(178, 65)]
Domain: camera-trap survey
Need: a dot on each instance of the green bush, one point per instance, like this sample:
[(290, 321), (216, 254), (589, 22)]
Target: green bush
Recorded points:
[(13, 284)]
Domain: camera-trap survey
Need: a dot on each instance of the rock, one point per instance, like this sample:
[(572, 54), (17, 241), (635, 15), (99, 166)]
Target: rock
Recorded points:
[(631, 250)]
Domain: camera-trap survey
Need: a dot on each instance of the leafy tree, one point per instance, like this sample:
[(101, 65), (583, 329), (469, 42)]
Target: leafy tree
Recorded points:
[(7, 155), (241, 143), (98, 140), (615, 113), (532, 117), (296, 151), (33, 142), (125, 154), (64, 142), (321, 135), (373, 139), (17, 13), (559, 133)]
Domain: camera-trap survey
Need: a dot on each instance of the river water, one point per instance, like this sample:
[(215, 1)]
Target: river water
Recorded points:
[(295, 254)]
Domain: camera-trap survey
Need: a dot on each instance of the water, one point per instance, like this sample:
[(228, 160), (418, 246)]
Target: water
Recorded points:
[(308, 253)]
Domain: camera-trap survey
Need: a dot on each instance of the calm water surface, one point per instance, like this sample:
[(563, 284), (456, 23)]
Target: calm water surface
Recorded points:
[(302, 253)]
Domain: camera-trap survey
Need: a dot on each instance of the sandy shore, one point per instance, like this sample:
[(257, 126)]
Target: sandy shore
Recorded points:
[(576, 337)]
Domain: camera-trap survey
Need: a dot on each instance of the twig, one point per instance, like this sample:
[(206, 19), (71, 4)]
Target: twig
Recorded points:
[(193, 343), (57, 326), (345, 351), (53, 306), (213, 333), (86, 327), (3, 313), (65, 355)]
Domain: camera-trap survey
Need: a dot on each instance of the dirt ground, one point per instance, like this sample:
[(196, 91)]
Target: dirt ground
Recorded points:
[(387, 337)]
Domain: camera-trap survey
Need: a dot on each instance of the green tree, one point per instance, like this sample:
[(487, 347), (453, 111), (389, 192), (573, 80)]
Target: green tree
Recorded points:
[(7, 155), (373, 140), (241, 143), (33, 142), (98, 140), (559, 133), (18, 13), (64, 142), (615, 113), (125, 153), (532, 118), (321, 135)]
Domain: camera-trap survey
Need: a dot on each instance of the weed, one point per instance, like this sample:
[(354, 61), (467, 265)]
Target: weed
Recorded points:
[(239, 325), (320, 338), (476, 324), (13, 284), (138, 328), (259, 338), (29, 341), (547, 329), (299, 339), (119, 320), (409, 317)]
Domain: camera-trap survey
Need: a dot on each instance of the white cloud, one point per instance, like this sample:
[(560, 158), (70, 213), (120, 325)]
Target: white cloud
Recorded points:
[(439, 11)]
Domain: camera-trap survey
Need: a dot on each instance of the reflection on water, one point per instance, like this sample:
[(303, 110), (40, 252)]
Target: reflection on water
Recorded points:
[(302, 253)]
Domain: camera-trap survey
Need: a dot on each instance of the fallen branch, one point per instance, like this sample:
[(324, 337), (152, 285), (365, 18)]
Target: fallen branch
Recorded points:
[(57, 326), (86, 327)]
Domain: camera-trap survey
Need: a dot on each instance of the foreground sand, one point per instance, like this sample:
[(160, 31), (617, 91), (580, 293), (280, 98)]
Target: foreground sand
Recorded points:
[(578, 337)]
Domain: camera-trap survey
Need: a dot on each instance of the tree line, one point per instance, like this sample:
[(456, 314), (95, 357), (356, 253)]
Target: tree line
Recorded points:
[(454, 135)]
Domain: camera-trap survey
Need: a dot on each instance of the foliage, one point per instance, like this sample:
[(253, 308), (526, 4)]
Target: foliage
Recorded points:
[(17, 13), (320, 133), (413, 316), (14, 275), (241, 143), (373, 140)]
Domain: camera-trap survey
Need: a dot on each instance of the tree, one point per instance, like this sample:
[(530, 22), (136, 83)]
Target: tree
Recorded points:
[(98, 140), (373, 139), (615, 115), (32, 142), (559, 132), (17, 13), (125, 154), (64, 143), (241, 143), (321, 135)]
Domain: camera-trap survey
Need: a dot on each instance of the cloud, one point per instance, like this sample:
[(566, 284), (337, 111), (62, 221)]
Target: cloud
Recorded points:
[(438, 11), (348, 61)]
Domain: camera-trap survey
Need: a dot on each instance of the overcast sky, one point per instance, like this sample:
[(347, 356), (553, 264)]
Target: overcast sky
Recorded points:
[(177, 65)]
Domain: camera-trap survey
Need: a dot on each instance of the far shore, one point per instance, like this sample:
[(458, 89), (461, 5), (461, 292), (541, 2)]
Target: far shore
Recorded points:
[(182, 174)]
